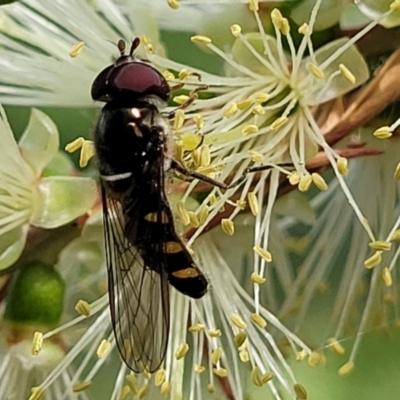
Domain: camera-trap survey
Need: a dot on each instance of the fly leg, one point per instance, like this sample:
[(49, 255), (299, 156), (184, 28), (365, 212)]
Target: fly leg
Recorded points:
[(224, 186), (191, 98)]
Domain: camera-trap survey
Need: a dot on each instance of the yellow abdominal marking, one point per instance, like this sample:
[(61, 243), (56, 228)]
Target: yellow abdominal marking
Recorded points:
[(172, 247), (157, 217), (186, 273)]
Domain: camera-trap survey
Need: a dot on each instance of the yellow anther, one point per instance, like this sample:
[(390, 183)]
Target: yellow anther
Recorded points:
[(346, 369), (294, 178), (103, 348), (256, 156), (210, 388), (255, 376), (146, 374), (183, 74), (83, 307), (208, 170), (194, 221), (267, 377), (305, 182), (216, 355), (276, 17), (36, 393), (221, 372), (199, 121), (203, 214), (301, 355), (384, 132), (230, 109), (261, 98), (387, 277), (199, 368), (74, 145), (301, 393), (395, 236), (303, 29), (258, 320), (179, 119), (258, 110), (149, 48), (319, 181), (181, 99), (336, 346), (37, 343), (215, 332), (87, 152), (159, 377), (256, 278), (236, 30), (179, 151), (249, 129), (80, 387), (183, 213), (253, 203), (342, 165), (201, 39), (284, 26), (205, 155), (374, 260), (397, 172), (168, 75), (142, 392), (347, 74), (242, 105), (125, 392), (76, 49), (314, 359), (237, 320), (253, 5), (182, 351), (395, 6), (191, 141), (316, 71), (265, 254), (239, 339), (165, 388), (228, 226), (244, 356), (131, 380), (380, 245), (278, 123), (197, 328), (242, 204)]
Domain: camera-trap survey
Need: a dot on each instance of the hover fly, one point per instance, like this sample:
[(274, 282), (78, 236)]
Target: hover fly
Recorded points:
[(144, 253)]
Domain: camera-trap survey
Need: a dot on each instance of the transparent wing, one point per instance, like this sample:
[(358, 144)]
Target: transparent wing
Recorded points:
[(139, 296)]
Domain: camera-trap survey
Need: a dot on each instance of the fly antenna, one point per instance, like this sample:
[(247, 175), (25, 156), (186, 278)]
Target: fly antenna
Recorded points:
[(121, 46), (135, 44)]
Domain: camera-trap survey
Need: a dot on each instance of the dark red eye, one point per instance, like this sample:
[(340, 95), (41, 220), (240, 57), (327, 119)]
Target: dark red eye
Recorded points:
[(130, 78)]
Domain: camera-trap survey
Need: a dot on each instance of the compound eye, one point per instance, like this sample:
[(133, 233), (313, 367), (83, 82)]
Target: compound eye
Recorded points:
[(100, 89), (140, 79)]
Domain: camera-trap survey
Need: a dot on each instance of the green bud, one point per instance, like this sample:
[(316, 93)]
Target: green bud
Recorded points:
[(36, 296)]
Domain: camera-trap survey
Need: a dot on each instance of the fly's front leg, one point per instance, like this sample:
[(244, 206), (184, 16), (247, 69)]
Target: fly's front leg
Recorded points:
[(195, 175), (191, 98)]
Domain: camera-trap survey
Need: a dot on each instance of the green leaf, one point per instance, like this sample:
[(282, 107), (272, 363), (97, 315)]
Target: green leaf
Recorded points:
[(62, 199)]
